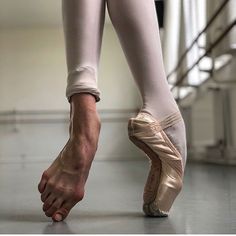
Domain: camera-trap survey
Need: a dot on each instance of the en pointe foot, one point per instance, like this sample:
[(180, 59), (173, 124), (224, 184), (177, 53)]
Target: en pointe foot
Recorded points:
[(165, 177), (62, 184)]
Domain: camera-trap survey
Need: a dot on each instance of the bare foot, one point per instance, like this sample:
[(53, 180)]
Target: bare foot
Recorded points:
[(62, 184)]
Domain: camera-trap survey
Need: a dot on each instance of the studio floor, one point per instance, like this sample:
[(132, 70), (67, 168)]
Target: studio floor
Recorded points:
[(113, 201)]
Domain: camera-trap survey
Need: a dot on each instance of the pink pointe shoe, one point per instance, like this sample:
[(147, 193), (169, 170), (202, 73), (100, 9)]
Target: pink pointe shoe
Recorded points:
[(165, 177)]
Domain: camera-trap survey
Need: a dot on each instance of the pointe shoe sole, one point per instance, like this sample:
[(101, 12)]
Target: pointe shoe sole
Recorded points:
[(147, 207)]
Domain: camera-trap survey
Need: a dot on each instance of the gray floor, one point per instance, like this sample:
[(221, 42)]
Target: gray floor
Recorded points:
[(113, 201)]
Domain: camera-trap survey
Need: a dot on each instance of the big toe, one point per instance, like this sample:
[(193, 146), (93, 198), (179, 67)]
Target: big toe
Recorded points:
[(63, 212), (57, 217)]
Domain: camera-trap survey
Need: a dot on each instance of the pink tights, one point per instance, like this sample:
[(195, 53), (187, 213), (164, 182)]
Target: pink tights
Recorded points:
[(137, 27)]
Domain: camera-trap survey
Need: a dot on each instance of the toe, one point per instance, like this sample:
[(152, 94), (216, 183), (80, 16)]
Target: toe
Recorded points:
[(45, 195), (43, 182), (54, 207), (57, 217), (48, 189), (63, 212), (48, 202)]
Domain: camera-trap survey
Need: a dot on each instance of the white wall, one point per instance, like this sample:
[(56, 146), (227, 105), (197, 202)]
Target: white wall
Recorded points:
[(233, 115), (33, 78), (33, 71), (212, 119), (203, 120)]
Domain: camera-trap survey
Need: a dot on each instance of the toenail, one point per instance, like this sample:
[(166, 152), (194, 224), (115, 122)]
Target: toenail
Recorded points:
[(58, 217)]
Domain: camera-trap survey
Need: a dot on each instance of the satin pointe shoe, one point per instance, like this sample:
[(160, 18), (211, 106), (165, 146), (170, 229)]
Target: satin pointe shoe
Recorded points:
[(165, 178)]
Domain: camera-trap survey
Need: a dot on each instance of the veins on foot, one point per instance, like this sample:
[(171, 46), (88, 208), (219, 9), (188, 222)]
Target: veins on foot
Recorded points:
[(62, 185)]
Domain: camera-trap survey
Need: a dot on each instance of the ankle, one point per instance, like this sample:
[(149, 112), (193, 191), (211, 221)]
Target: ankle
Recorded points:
[(82, 102), (83, 113), (85, 130), (85, 126)]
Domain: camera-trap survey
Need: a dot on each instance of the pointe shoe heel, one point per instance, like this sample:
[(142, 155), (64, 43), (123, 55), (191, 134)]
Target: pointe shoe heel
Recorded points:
[(147, 134)]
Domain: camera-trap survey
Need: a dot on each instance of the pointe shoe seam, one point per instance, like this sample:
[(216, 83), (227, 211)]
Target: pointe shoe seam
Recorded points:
[(173, 148), (170, 144)]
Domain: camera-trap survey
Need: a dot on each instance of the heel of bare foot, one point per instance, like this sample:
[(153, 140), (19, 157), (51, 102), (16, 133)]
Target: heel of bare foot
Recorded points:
[(62, 185)]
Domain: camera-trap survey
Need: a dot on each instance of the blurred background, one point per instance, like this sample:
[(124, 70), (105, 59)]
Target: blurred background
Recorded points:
[(198, 42), (199, 49)]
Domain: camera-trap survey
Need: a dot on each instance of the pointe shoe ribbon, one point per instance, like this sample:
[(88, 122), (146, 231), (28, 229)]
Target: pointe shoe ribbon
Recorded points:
[(147, 133)]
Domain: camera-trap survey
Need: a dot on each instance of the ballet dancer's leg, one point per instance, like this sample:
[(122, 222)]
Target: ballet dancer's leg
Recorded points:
[(137, 27), (62, 184)]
